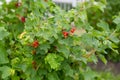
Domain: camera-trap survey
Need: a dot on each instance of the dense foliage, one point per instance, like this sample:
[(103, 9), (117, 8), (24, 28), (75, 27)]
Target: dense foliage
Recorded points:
[(39, 41), (108, 15)]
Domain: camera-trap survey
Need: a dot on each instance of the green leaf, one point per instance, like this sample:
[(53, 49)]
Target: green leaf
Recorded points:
[(114, 45), (99, 5), (89, 41), (15, 77), (94, 59), (117, 20), (83, 16), (54, 60), (6, 71), (67, 69), (3, 33), (36, 77), (118, 26), (103, 25), (102, 58), (89, 75), (68, 78), (53, 76), (44, 46), (64, 50), (115, 51), (3, 56), (114, 39)]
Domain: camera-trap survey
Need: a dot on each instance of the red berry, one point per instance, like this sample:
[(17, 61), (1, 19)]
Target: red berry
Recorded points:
[(73, 30), (35, 44), (23, 19), (65, 34), (18, 4)]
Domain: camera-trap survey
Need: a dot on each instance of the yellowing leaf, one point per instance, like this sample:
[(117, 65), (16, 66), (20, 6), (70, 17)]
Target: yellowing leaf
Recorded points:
[(22, 34)]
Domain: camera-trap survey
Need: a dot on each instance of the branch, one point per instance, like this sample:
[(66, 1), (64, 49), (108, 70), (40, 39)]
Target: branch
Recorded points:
[(112, 34), (90, 53)]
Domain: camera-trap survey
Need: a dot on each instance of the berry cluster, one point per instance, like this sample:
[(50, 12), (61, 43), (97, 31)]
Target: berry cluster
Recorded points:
[(66, 34), (21, 18), (35, 44)]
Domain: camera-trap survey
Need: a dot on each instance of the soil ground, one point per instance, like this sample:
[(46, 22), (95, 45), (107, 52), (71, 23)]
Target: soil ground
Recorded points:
[(110, 66)]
